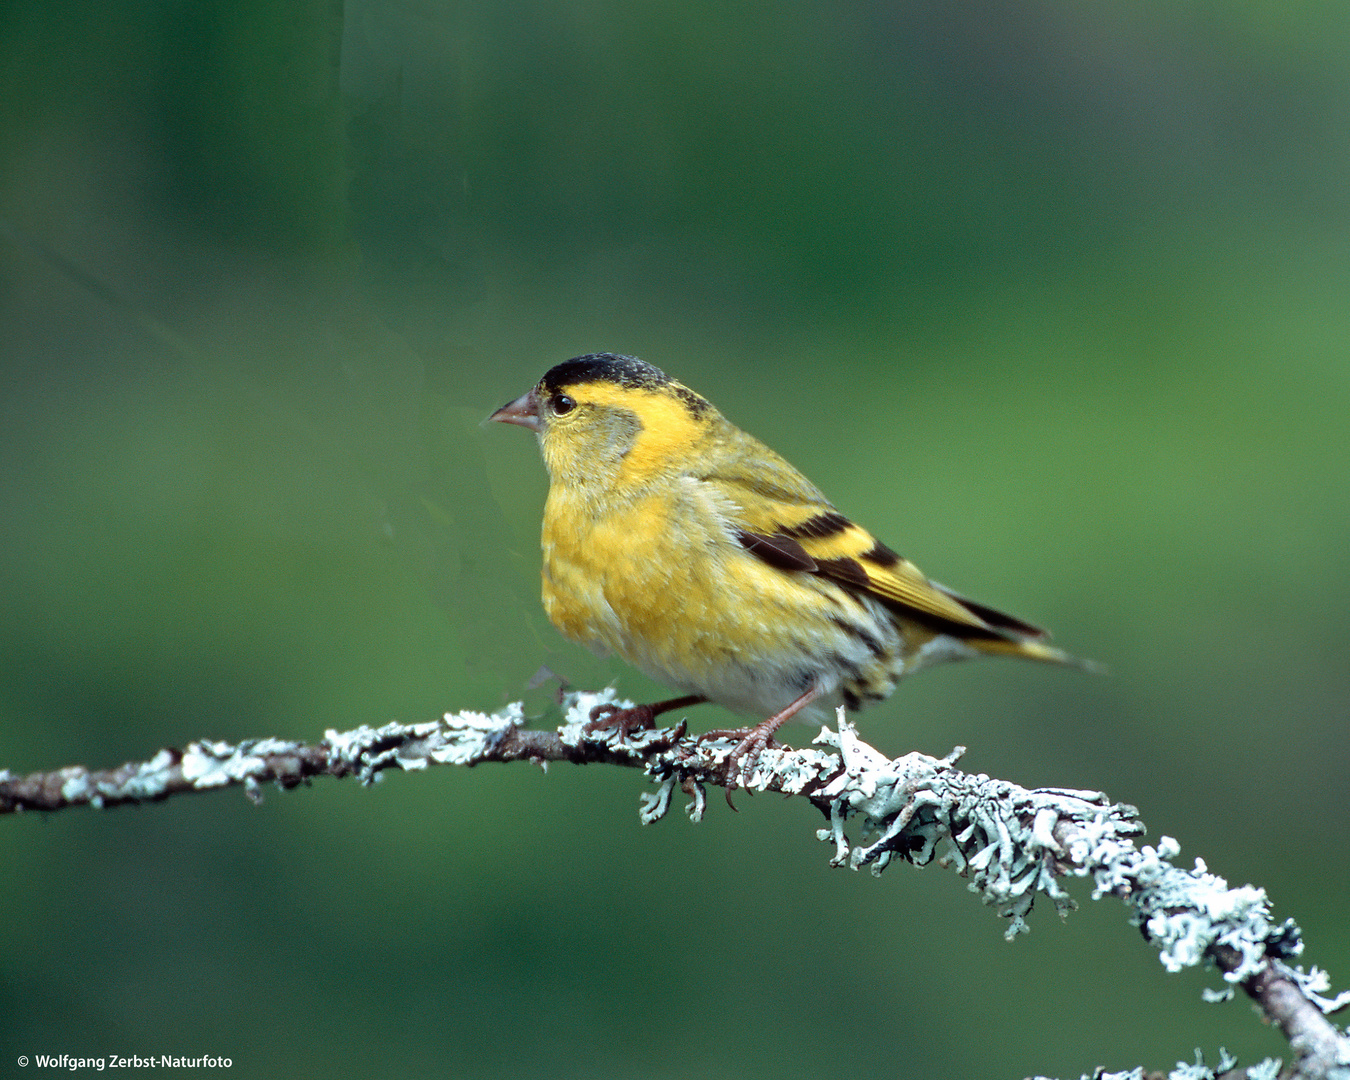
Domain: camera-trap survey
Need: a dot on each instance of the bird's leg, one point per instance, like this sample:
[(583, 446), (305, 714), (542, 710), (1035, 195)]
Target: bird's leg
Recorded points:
[(637, 717), (755, 739)]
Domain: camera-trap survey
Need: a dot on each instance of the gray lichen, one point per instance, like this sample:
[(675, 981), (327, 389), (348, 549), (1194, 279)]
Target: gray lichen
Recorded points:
[(456, 739), (1265, 1070)]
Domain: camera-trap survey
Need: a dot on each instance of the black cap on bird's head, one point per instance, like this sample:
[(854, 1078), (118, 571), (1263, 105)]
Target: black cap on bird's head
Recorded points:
[(627, 372)]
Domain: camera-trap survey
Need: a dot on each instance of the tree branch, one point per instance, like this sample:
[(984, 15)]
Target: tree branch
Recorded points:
[(1011, 842)]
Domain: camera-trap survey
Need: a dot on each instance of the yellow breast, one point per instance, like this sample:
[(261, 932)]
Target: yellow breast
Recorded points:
[(637, 578)]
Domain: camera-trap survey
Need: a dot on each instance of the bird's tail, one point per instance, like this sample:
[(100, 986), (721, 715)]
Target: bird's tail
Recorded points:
[(1028, 649)]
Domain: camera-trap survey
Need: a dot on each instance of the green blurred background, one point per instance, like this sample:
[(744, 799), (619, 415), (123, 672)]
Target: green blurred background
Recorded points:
[(1053, 297)]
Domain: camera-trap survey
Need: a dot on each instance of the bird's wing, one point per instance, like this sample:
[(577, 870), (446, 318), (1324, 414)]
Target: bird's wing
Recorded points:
[(786, 522)]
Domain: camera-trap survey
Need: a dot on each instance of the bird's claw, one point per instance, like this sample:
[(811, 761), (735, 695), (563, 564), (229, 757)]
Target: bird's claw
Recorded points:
[(628, 721), (740, 763), (745, 757), (666, 742), (610, 717)]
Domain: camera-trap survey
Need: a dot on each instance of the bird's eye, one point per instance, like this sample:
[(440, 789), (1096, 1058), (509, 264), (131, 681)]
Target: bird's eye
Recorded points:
[(562, 404)]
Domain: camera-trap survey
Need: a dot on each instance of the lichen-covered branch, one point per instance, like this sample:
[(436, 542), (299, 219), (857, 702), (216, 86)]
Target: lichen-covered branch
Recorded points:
[(1012, 843), (466, 738)]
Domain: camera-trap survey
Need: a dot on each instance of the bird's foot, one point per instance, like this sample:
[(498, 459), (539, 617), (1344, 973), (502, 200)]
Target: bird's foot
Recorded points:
[(740, 763), (611, 717), (751, 742), (625, 721)]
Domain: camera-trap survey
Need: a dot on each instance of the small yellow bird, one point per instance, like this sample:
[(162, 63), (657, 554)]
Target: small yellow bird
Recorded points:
[(688, 547)]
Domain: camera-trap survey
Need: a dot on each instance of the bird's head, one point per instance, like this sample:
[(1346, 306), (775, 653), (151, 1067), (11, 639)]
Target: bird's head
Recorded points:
[(610, 419)]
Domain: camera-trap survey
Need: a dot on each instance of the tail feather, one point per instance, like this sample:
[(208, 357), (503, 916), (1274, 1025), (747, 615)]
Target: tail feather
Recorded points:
[(1012, 636), (1035, 650)]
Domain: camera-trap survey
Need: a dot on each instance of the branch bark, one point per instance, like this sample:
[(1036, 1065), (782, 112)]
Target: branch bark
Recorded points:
[(1013, 843)]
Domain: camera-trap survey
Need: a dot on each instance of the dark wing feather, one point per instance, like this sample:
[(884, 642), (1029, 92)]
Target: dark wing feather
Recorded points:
[(784, 519)]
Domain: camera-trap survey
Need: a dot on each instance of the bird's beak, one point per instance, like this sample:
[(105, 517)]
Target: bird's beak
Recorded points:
[(523, 411)]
